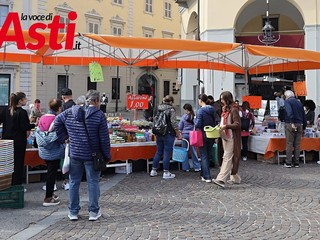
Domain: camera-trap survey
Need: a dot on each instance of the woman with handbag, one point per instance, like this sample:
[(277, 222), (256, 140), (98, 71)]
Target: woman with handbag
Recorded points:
[(247, 123), (50, 150), (205, 117), (186, 125), (229, 145)]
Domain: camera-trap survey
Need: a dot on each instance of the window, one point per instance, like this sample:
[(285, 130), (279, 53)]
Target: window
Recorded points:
[(166, 88), (66, 21), (166, 34), (148, 6), (62, 83), (167, 10), (117, 2), (91, 85), (93, 21), (117, 26), (93, 28), (4, 9), (148, 32), (4, 89), (115, 88)]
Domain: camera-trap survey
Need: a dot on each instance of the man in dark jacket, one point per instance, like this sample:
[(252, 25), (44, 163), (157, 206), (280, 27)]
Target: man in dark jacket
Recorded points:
[(69, 125), (295, 124)]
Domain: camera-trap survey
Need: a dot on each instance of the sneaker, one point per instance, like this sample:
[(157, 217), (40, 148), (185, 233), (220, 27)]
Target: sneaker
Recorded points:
[(44, 188), (94, 216), (318, 162), (153, 173), (197, 170), (231, 182), (25, 190), (206, 180), (296, 165), (72, 217), (287, 165), (65, 186), (55, 196), (244, 158), (168, 175), (186, 170), (50, 202), (219, 183)]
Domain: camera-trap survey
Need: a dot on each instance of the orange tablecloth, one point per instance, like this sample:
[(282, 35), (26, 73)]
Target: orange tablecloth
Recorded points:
[(118, 153), (279, 144)]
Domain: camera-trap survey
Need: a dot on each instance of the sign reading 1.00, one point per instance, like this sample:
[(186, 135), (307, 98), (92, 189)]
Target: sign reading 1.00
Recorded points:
[(137, 101)]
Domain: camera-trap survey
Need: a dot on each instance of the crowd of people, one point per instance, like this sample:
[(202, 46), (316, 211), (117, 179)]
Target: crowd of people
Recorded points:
[(82, 124)]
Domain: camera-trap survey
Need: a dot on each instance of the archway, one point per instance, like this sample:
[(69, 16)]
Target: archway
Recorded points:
[(147, 84)]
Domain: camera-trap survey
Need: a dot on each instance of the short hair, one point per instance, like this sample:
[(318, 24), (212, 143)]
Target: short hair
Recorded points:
[(66, 92), (168, 99), (210, 97), (289, 94), (81, 100), (93, 96), (55, 104), (37, 101)]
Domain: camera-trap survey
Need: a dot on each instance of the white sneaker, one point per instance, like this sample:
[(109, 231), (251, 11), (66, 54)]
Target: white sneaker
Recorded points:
[(94, 216), (244, 158), (72, 217), (206, 180), (153, 173), (65, 186), (44, 188), (318, 162), (168, 175)]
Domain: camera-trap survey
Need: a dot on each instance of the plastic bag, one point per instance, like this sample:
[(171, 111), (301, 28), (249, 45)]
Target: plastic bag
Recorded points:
[(66, 162)]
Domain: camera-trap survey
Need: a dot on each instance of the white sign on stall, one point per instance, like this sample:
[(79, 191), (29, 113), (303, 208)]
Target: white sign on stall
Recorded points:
[(273, 108)]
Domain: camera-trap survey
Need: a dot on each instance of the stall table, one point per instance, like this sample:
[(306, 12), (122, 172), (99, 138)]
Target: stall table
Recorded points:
[(271, 145), (119, 152)]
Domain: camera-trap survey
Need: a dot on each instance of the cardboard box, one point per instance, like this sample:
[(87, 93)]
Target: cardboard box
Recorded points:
[(123, 169), (34, 178)]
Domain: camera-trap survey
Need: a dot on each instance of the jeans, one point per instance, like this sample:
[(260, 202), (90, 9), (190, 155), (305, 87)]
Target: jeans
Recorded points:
[(164, 147), (185, 164), (75, 175), (206, 153), (52, 166), (293, 140)]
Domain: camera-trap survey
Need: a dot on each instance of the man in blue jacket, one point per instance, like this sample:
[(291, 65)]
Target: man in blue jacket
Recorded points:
[(69, 125), (295, 125)]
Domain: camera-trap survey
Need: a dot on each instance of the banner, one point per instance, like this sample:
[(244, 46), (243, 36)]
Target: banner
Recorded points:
[(300, 88), (135, 101), (254, 101), (96, 74)]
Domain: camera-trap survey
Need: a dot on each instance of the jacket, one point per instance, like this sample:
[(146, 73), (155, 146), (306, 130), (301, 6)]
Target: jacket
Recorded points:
[(205, 117), (172, 118), (294, 112), (185, 126), (69, 125), (48, 145)]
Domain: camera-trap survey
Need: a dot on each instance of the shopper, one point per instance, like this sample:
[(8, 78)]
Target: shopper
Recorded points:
[(186, 125), (35, 111), (69, 125), (230, 142), (166, 139), (50, 150), (295, 120), (68, 102), (103, 103), (205, 117), (309, 107), (148, 113), (247, 123), (16, 123)]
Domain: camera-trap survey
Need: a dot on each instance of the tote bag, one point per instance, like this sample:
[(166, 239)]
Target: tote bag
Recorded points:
[(196, 138)]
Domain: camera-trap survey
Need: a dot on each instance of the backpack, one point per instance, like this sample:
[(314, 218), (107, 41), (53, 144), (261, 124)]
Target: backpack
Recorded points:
[(245, 122), (160, 124)]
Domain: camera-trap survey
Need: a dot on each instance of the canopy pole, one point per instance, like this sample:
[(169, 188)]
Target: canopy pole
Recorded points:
[(246, 70)]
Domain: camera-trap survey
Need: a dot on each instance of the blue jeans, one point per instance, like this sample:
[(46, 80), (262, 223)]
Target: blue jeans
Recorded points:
[(206, 153), (164, 147), (194, 155), (75, 175)]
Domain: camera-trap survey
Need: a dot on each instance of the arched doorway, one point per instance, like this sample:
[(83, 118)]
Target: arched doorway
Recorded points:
[(147, 84)]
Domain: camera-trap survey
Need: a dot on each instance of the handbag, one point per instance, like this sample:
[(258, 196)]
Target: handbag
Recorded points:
[(66, 161), (196, 138), (99, 162)]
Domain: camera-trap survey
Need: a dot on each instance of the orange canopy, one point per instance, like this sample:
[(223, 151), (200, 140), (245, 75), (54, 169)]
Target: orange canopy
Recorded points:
[(166, 53)]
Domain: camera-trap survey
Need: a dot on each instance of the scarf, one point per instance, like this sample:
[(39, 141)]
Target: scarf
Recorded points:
[(225, 114)]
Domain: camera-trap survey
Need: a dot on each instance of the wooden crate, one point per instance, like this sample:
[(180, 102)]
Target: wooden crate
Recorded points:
[(5, 181)]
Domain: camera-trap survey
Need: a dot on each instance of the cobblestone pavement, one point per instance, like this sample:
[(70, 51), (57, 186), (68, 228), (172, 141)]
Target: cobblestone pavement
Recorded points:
[(271, 203)]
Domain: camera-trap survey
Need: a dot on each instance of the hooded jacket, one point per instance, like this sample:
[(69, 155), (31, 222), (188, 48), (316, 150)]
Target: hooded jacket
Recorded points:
[(69, 124), (205, 117), (48, 145), (171, 113)]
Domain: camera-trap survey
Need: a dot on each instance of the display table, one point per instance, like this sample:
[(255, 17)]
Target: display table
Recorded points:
[(270, 145), (119, 152)]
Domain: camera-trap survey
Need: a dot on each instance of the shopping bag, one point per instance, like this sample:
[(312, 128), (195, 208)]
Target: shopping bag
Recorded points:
[(196, 138), (66, 162)]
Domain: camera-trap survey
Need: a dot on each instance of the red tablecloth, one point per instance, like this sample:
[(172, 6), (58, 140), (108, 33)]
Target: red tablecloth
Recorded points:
[(118, 153), (279, 144)]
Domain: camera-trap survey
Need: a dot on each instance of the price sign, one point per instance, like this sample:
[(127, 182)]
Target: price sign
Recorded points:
[(135, 101)]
